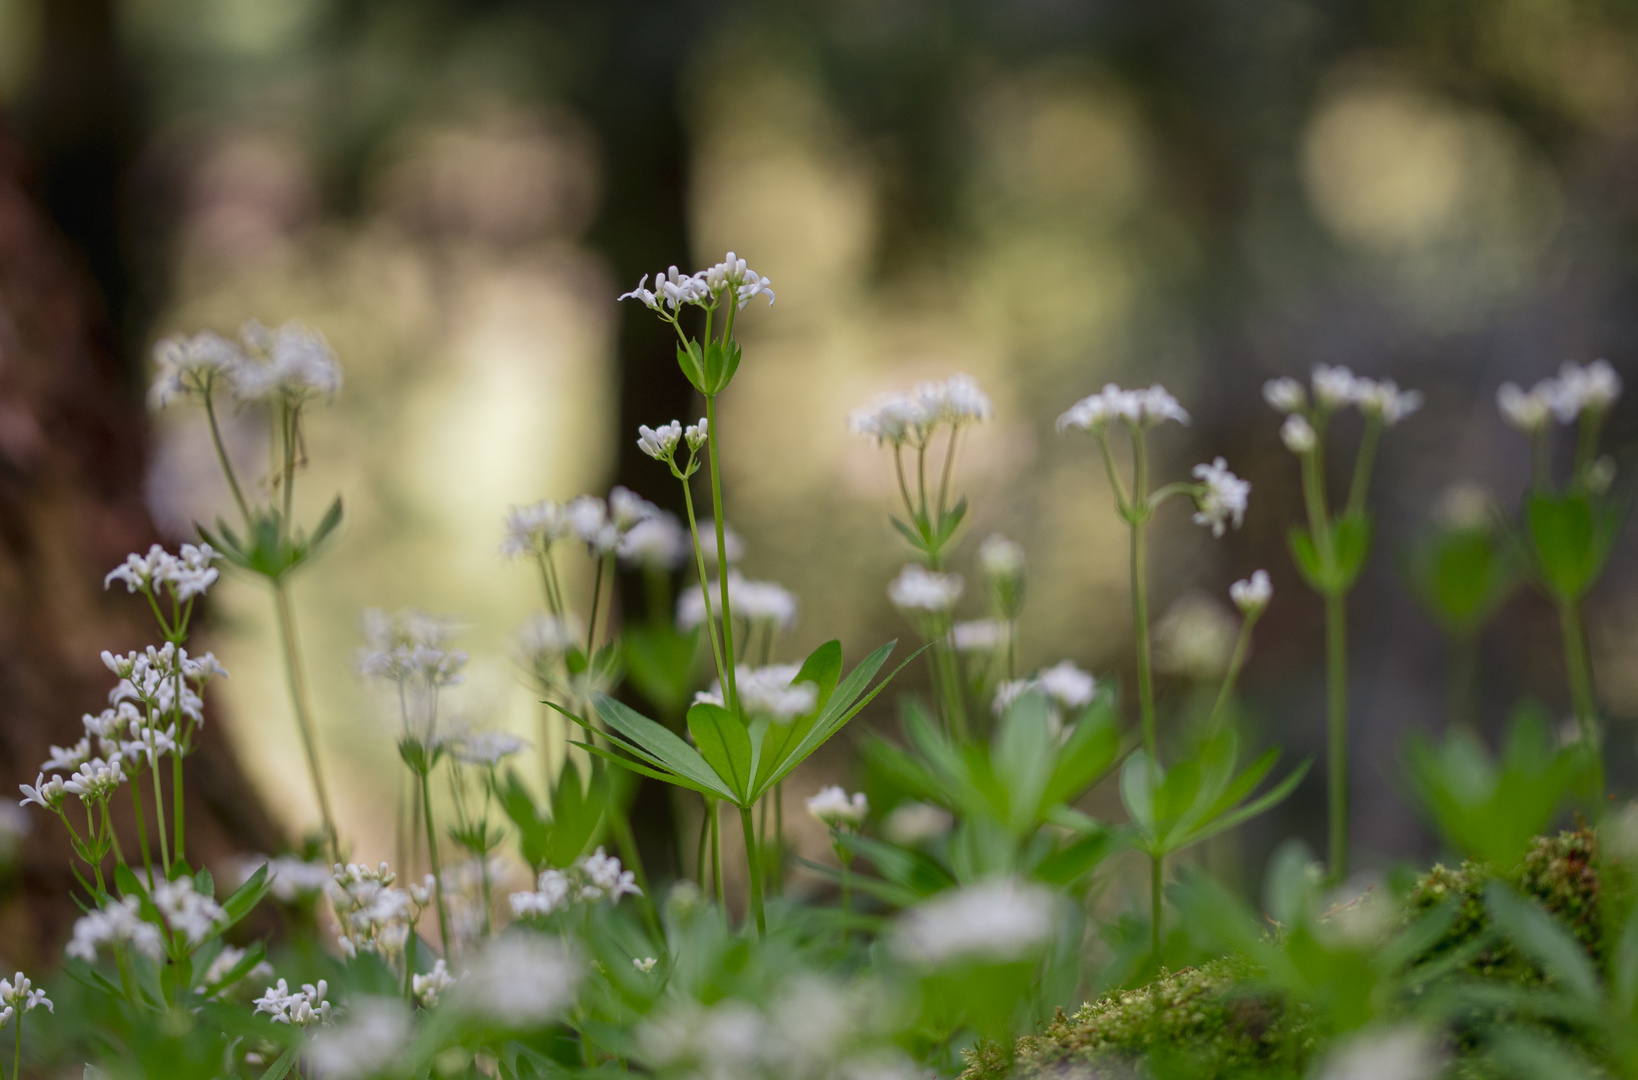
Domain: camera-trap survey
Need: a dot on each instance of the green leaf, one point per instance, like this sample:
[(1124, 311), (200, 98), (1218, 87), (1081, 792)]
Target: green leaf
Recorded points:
[(1064, 868), (1273, 797), (1351, 541), (661, 745), (1023, 759), (1543, 939), (247, 896), (725, 744), (1307, 557), (285, 1062), (326, 525), (1570, 539), (1137, 793), (844, 705), (1091, 750), (692, 362), (661, 663)]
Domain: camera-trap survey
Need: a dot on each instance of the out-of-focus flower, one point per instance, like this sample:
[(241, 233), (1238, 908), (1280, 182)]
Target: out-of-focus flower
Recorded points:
[(1223, 497), (545, 638), (756, 601), (1335, 387), (659, 543), (1140, 408), (918, 589), (184, 365), (294, 361), (996, 920), (1251, 595), (486, 748), (768, 691), (1285, 394), (835, 809), (1402, 1053), (1298, 434), (119, 922), (188, 912), (519, 980), (1526, 412), (434, 984), (731, 543), (900, 417), (912, 822), (1195, 637), (368, 1040), (645, 965), (979, 635), (1384, 398), (531, 529)]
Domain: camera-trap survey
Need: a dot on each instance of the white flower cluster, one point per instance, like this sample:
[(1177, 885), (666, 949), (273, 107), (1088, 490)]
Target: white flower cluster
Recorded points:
[(979, 635), (373, 915), (290, 879), (900, 417), (1223, 497), (367, 1041), (467, 891), (187, 911), (485, 749), (598, 523), (433, 985), (996, 920), (767, 691), (303, 1008), (732, 545), (1593, 388), (913, 822), (759, 602), (1064, 685), (835, 809), (520, 979), (918, 589), (186, 574), (656, 543), (118, 924), (1251, 595), (661, 443), (999, 557), (17, 995), (228, 959), (293, 361), (592, 878), (411, 647), (1139, 408), (672, 289), (544, 639), (1337, 388)]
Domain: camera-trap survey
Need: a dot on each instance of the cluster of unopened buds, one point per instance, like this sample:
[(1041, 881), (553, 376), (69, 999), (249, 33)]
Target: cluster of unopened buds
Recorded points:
[(769, 690), (899, 417), (301, 1008), (592, 878), (293, 360), (432, 986), (672, 288), (17, 996), (374, 915), (1577, 389)]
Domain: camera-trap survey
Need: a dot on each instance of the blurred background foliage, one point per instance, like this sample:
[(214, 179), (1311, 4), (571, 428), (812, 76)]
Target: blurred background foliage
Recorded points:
[(1042, 193)]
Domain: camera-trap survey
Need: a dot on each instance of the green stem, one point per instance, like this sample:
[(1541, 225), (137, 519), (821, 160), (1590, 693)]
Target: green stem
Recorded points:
[(716, 856), (1578, 664), (847, 894), (704, 844), (753, 860), (1336, 655), (1362, 465), (177, 833), (142, 828), (222, 457), (159, 821), (1156, 895), (705, 586), (1464, 680), (729, 689), (944, 482), (1140, 630), (1237, 660), (288, 422), (410, 950), (297, 679), (437, 872), (600, 567)]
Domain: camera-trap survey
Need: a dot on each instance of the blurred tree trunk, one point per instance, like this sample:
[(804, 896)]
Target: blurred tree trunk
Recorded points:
[(72, 442)]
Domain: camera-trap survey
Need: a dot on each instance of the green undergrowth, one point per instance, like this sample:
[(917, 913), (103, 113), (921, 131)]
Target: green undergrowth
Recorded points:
[(1214, 1020)]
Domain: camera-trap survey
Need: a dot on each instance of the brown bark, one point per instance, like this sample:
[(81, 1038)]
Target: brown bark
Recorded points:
[(72, 446)]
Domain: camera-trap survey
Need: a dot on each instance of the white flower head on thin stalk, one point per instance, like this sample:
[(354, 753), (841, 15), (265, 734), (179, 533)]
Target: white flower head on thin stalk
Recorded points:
[(368, 1040), (411, 647), (730, 541), (96, 780), (1298, 434), (292, 880), (696, 434), (191, 365), (628, 509), (19, 996), (591, 879), (47, 794), (759, 602), (1527, 412), (1223, 497), (186, 575), (589, 522), (893, 418), (912, 823), (979, 635), (1335, 387), (532, 529), (118, 923), (1138, 408), (70, 758), (660, 443), (836, 809), (188, 912), (1067, 685), (1251, 595), (372, 914), (294, 361), (433, 985), (999, 557), (918, 590), (768, 691), (733, 274), (486, 749), (301, 1008), (996, 920), (1578, 389), (1285, 394), (672, 289), (1383, 398), (658, 543), (957, 400), (520, 980)]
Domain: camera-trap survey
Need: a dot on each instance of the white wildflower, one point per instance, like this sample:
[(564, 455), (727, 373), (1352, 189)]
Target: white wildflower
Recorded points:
[(627, 509), (291, 879), (1223, 497), (224, 963), (1285, 394), (1578, 389), (373, 915), (19, 996), (531, 529), (1140, 408), (70, 758), (588, 519), (913, 822), (486, 748), (520, 980), (188, 912), (185, 364), (918, 589), (722, 1042), (895, 417), (47, 794), (1067, 684), (1335, 387), (1526, 412), (732, 273), (658, 543), (1251, 595), (836, 809), (433, 985), (552, 894), (659, 443), (186, 575), (411, 647), (301, 1008), (1298, 434), (979, 635), (294, 361), (996, 920), (645, 965), (96, 779), (368, 1040), (604, 874), (697, 433), (999, 557), (1384, 398), (756, 601), (768, 691), (545, 638), (120, 923)]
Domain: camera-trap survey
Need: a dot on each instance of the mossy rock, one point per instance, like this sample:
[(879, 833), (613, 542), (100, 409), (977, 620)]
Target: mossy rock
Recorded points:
[(1209, 1022)]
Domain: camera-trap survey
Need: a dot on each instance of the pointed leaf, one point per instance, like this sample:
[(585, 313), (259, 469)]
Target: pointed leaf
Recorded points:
[(667, 749), (725, 745)]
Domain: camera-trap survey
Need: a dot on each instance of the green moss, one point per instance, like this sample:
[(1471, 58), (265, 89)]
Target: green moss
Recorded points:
[(1208, 1022)]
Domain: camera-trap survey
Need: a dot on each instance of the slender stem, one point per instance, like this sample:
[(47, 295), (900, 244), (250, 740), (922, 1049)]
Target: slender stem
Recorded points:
[(1464, 679), (722, 557), (904, 488), (847, 894), (597, 596), (289, 419), (704, 844), (17, 1050), (1237, 660), (753, 860), (779, 838), (177, 833), (108, 828), (142, 827), (410, 950), (1586, 447), (949, 460), (1138, 517), (1541, 458), (1578, 664), (1336, 654), (1156, 895), (222, 457), (1362, 465), (159, 821), (921, 481), (716, 856), (297, 679), (1313, 491), (705, 586), (1115, 485), (437, 871)]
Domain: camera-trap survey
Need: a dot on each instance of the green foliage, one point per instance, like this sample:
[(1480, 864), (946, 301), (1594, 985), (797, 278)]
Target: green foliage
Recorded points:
[(576, 812), (271, 547), (711, 367), (1331, 566), (1461, 576), (663, 664), (1569, 538)]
